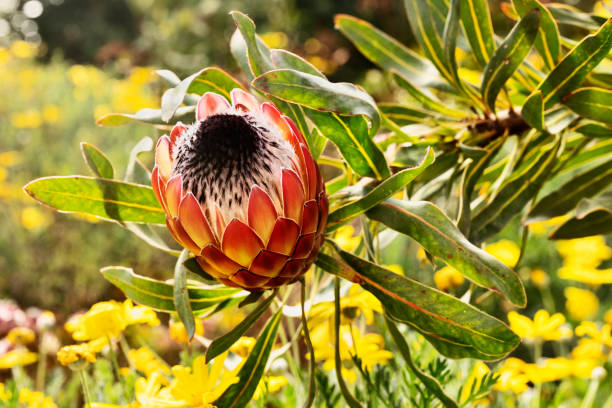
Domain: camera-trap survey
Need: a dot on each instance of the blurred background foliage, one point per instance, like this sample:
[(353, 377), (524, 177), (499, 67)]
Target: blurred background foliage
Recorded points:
[(64, 63)]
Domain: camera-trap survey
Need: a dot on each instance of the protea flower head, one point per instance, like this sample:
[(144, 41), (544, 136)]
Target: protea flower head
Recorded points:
[(242, 192)]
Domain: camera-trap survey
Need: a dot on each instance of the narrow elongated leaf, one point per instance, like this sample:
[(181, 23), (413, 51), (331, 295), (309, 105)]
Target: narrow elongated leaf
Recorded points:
[(430, 382), (318, 93), (593, 217), (350, 134), (109, 199), (427, 101), (97, 161), (509, 56), (432, 312), (567, 197), (548, 41), (258, 53), (514, 195), (596, 151), (570, 15), (170, 77), (380, 193), (422, 25), (385, 51), (287, 59), (238, 395), (144, 145), (181, 296), (592, 103), (151, 116), (476, 20), (449, 42), (593, 129), (575, 66), (207, 80), (431, 228), (405, 115), (468, 182), (533, 110), (159, 295), (223, 343)]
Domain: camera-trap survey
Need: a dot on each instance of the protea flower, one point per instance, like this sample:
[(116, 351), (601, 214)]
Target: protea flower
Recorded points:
[(242, 192)]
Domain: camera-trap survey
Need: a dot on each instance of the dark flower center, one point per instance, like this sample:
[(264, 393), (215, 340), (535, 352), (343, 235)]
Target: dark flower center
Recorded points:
[(222, 156)]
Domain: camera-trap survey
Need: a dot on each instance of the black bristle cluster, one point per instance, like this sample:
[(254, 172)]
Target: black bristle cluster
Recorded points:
[(225, 157)]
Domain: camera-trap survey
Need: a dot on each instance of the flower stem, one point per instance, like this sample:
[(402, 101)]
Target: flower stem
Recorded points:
[(537, 355), (86, 392), (588, 399), (41, 368), (115, 362)]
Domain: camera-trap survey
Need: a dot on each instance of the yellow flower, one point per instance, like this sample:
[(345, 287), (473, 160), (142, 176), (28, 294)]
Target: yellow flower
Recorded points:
[(592, 276), (554, 369), (109, 319), (345, 239), (9, 158), (544, 326), (133, 404), (35, 399), (51, 113), (586, 253), (478, 372), (541, 227), (269, 385), (201, 385), (146, 362), (395, 269), (448, 278), (276, 39), (512, 377), (22, 49), (581, 304), (4, 394), (243, 346), (83, 351), (151, 394), (505, 251), (608, 317), (178, 332), (17, 357), (588, 349), (603, 336), (33, 218), (30, 119), (357, 302), (21, 336), (539, 277)]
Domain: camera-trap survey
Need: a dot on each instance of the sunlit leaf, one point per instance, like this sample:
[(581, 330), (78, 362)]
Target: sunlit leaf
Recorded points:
[(593, 217), (430, 227), (97, 161), (592, 103), (547, 42), (159, 295), (181, 295), (151, 116), (476, 20), (533, 111), (109, 199), (238, 395), (509, 56)]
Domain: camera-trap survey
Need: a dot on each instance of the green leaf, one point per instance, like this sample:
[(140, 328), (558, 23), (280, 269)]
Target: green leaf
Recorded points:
[(181, 296), (159, 295), (238, 395), (287, 59), (151, 116), (170, 77), (593, 217), (223, 343), (566, 197), (476, 20), (318, 93), (405, 115), (533, 110), (258, 54), (97, 161), (144, 145), (430, 382), (109, 199), (509, 56), (350, 134), (421, 22), (207, 80), (569, 15), (593, 129), (592, 103), (385, 51), (431, 228), (514, 195), (193, 266), (547, 42), (469, 179), (575, 66), (380, 193), (434, 313), (426, 101)]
